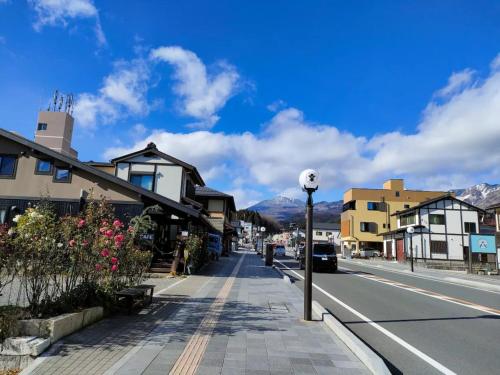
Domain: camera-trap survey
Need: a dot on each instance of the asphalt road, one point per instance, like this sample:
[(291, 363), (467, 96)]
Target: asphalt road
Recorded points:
[(418, 326)]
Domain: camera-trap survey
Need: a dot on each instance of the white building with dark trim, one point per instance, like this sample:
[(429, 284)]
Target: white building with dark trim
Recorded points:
[(441, 238)]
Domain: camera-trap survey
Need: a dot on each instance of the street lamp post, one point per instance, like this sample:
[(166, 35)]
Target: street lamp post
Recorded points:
[(262, 231), (308, 181), (410, 231)]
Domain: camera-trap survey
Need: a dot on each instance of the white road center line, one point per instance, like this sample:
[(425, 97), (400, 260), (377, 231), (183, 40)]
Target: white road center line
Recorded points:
[(438, 366)]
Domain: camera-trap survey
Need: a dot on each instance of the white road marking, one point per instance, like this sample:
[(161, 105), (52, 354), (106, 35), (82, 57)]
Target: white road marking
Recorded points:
[(438, 366), (428, 293), (427, 277)]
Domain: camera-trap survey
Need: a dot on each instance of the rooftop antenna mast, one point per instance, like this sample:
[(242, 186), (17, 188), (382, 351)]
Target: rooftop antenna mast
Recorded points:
[(54, 100), (61, 101)]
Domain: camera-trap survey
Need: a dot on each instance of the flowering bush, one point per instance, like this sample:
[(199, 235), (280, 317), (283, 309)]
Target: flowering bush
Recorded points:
[(35, 240), (65, 263), (7, 260)]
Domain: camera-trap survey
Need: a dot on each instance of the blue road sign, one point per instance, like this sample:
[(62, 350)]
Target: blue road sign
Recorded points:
[(483, 243)]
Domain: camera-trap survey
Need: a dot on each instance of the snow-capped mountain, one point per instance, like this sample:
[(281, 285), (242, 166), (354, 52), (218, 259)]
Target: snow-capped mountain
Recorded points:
[(481, 195), (290, 209), (279, 207)]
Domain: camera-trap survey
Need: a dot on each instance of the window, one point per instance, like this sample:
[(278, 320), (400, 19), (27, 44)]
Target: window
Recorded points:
[(42, 126), (383, 225), (328, 234), (397, 193), (62, 174), (436, 219), (470, 227), (319, 233), (3, 215), (408, 219), (407, 206), (364, 226), (439, 247), (372, 206), (144, 181), (349, 206), (43, 167), (7, 166)]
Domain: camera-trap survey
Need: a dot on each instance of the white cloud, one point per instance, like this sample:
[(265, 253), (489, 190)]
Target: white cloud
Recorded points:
[(456, 144), (58, 12), (456, 82), (202, 93), (495, 64), (276, 105), (123, 93)]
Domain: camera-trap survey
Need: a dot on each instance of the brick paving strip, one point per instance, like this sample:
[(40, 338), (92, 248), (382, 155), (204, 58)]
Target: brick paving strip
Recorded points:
[(190, 359)]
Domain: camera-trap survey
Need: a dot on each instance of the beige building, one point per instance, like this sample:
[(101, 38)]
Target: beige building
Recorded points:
[(55, 130), (368, 212)]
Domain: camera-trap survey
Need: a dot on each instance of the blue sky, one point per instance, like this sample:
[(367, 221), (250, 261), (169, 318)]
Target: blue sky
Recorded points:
[(254, 92)]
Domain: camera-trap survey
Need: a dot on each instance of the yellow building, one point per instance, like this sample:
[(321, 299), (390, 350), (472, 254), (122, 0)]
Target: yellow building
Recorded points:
[(367, 213)]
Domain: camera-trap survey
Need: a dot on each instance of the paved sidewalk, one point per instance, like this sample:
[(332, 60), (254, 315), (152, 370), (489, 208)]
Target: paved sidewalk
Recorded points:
[(242, 320)]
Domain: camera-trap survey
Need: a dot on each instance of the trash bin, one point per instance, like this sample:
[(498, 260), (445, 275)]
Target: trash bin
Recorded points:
[(269, 254)]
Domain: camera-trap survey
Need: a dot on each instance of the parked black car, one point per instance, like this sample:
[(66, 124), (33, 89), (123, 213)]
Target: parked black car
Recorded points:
[(324, 258)]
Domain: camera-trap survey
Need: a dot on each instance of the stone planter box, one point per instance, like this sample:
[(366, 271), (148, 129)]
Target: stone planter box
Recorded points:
[(59, 326), (36, 335)]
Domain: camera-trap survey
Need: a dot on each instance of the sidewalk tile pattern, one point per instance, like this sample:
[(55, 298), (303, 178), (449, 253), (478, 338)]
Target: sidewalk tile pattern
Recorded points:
[(259, 331)]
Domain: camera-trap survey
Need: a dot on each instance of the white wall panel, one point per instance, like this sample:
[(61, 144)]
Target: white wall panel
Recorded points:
[(169, 181), (122, 171), (142, 168)]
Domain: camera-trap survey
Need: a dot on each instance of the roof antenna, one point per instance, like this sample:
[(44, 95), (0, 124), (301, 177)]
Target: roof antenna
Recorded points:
[(61, 101), (54, 100)]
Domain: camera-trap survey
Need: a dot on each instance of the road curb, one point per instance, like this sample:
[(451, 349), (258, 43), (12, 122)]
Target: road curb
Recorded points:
[(477, 284), (286, 278), (371, 360)]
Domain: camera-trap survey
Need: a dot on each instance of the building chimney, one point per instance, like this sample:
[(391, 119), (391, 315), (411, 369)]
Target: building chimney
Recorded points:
[(55, 128)]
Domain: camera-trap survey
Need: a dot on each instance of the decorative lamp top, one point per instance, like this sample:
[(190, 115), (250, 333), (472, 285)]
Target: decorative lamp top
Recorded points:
[(410, 230), (309, 180), (262, 229)]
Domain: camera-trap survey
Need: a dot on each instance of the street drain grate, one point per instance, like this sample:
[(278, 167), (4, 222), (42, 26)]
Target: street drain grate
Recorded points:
[(279, 307)]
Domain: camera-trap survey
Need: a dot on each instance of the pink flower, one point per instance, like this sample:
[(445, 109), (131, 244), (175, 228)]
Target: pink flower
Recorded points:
[(109, 233), (114, 260), (114, 267), (104, 223), (85, 242), (72, 243), (103, 230), (98, 267), (117, 223), (130, 229), (81, 223), (105, 253), (119, 238)]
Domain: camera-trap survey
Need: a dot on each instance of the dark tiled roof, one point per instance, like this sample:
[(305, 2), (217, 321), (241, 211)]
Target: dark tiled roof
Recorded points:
[(205, 191), (326, 226), (430, 201)]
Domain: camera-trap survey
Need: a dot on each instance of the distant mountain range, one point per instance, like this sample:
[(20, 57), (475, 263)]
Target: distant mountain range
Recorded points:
[(287, 210), (481, 195)]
